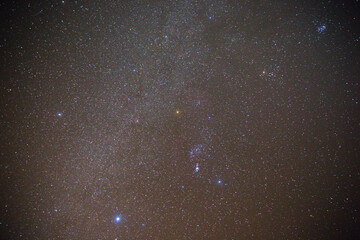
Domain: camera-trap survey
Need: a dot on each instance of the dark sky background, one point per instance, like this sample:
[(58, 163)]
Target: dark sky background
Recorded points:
[(180, 119)]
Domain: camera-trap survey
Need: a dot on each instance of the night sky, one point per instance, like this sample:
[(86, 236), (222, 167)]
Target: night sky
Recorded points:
[(182, 119)]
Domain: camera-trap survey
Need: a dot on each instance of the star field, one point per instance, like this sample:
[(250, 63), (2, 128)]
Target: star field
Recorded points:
[(184, 119)]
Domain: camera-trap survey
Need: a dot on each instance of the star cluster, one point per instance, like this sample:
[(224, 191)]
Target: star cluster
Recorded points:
[(186, 119)]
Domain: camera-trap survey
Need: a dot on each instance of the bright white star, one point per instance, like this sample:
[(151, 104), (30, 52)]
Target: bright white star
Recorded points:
[(197, 167)]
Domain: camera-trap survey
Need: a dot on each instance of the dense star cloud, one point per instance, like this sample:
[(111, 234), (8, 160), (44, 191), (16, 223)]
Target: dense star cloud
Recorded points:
[(183, 119)]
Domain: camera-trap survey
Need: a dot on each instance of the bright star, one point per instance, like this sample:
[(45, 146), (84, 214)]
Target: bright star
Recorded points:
[(197, 167), (321, 28)]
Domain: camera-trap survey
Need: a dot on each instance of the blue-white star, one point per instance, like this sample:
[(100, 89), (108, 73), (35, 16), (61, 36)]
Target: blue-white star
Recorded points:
[(197, 167), (321, 29)]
